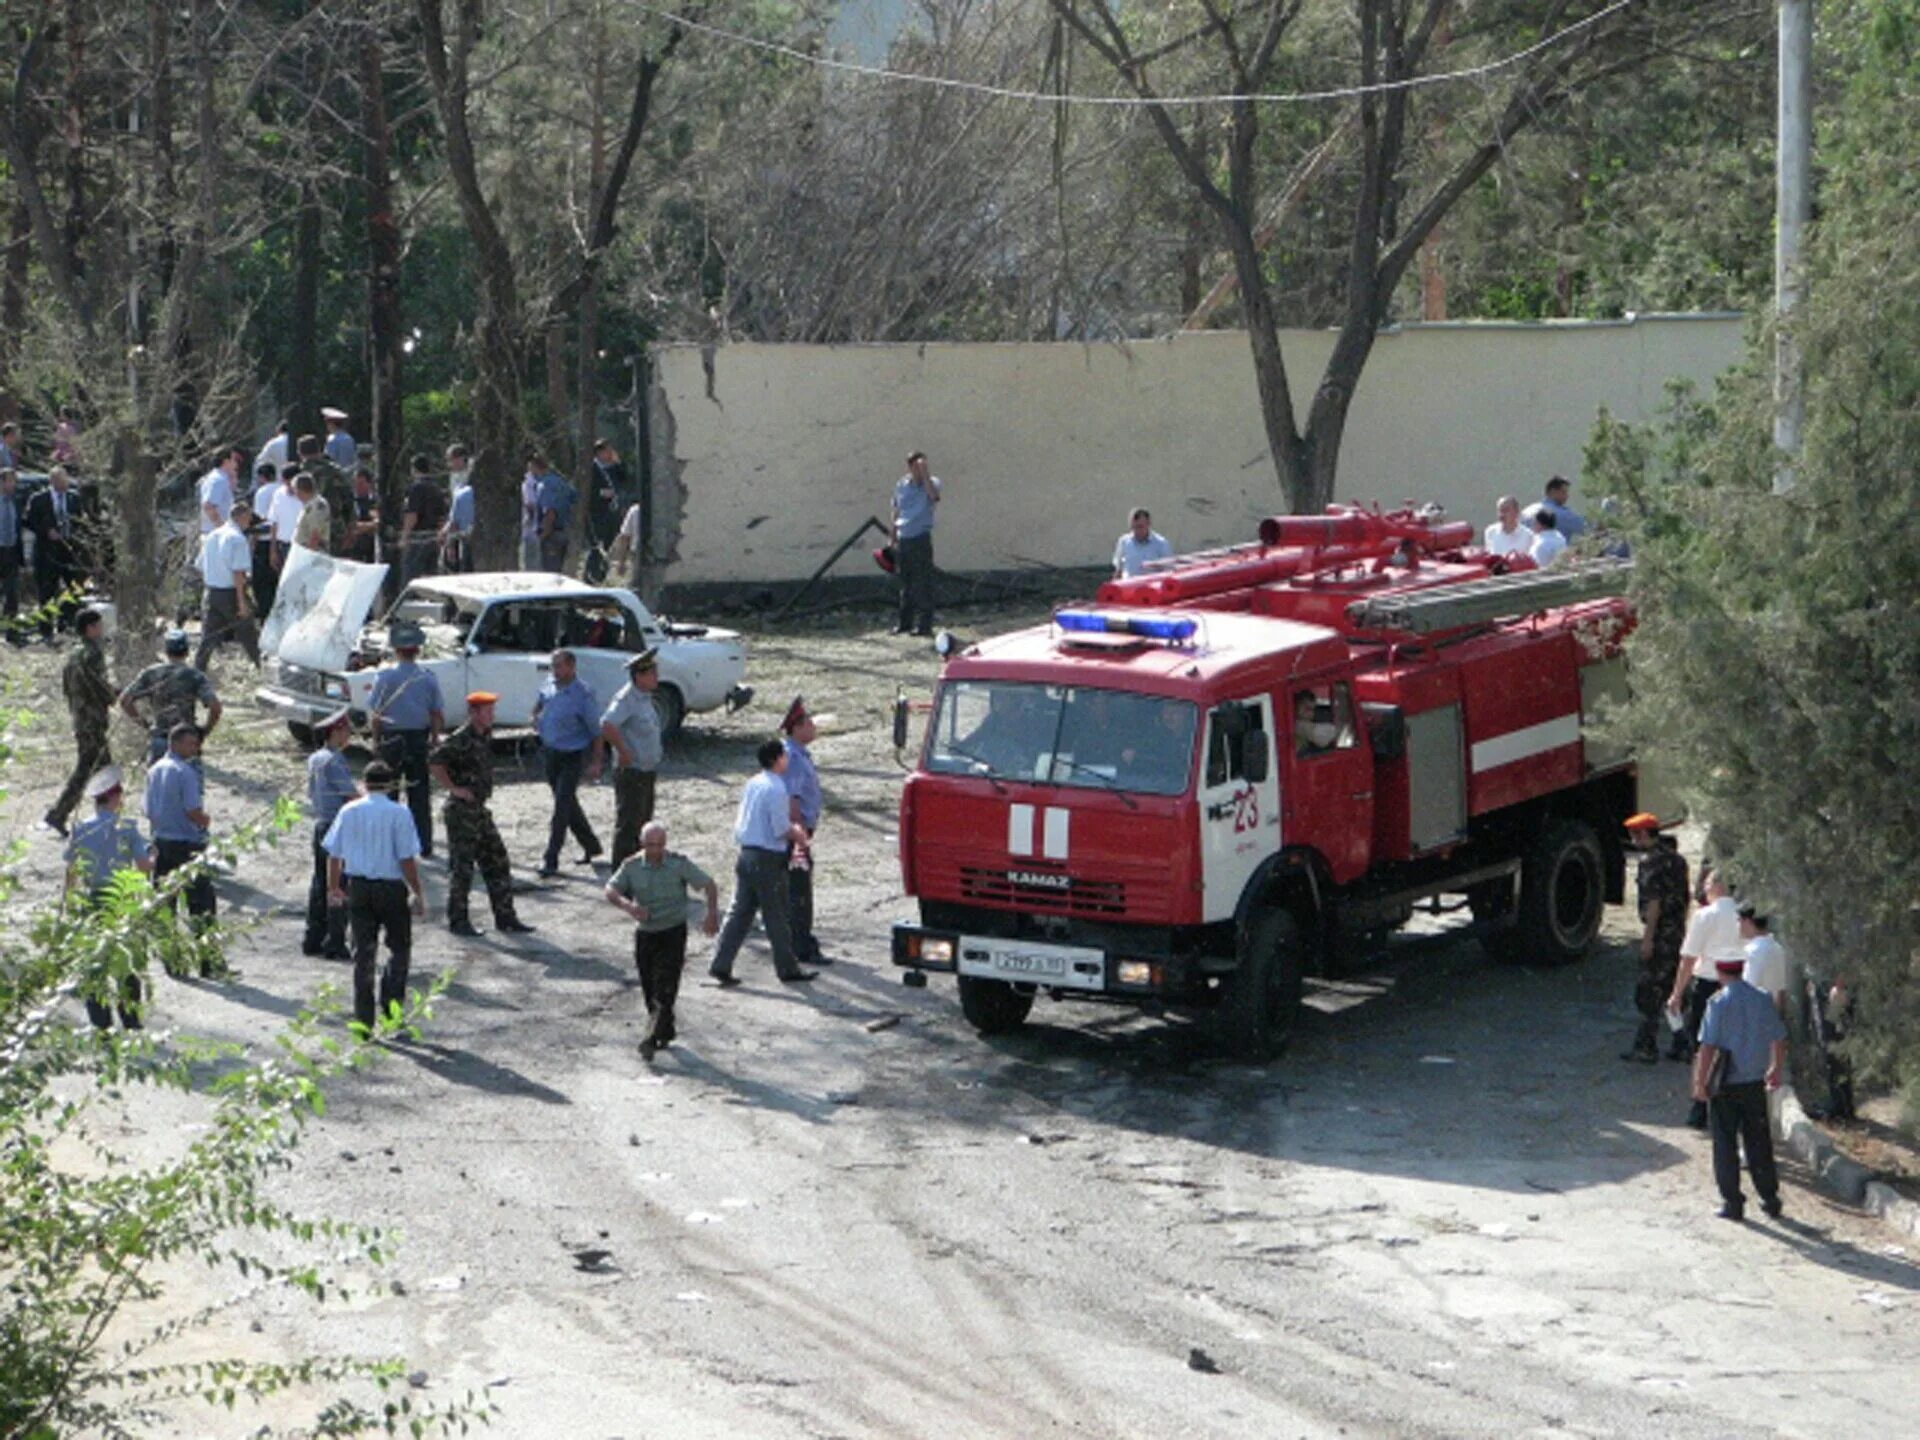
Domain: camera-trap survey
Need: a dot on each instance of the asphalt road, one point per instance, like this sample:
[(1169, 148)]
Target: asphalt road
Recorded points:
[(833, 1211)]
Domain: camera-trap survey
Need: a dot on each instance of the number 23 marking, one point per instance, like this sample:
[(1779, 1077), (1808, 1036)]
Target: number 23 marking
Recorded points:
[(1246, 811)]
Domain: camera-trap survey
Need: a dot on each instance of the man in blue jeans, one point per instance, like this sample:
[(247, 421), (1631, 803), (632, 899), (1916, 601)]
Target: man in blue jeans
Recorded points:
[(1743, 1024), (567, 718)]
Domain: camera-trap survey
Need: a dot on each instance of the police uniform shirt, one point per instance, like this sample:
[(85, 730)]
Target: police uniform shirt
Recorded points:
[(632, 713), (462, 518), (566, 716), (215, 490), (341, 450), (9, 521), (1742, 1022), (329, 784), (405, 697), (1130, 556), (803, 782), (173, 788), (223, 552), (660, 889), (371, 837), (914, 505), (763, 822), (103, 843)]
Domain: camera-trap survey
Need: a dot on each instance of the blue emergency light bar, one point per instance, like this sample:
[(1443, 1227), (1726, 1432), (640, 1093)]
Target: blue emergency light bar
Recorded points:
[(1148, 627)]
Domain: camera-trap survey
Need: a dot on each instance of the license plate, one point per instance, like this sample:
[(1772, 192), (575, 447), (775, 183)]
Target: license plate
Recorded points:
[(1065, 965), (1017, 962)]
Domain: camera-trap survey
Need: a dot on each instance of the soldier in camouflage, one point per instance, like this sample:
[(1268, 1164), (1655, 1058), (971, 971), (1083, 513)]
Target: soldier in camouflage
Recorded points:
[(463, 766), (174, 690), (330, 483), (90, 702), (1661, 881)]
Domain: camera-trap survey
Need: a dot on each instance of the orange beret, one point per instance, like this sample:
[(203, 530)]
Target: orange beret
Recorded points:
[(1645, 820), (482, 697)]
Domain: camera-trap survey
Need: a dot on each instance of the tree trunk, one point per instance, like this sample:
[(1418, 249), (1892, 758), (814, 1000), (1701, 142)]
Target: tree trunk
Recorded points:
[(300, 405), (13, 304), (384, 318), (559, 406), (73, 134), (586, 391), (137, 575)]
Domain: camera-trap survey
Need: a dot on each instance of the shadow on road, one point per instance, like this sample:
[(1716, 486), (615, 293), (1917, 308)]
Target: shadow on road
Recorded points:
[(463, 1067)]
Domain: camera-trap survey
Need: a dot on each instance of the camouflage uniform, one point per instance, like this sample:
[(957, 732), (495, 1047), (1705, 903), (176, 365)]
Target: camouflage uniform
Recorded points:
[(332, 485), (90, 697), (1662, 877), (472, 837), (176, 689)]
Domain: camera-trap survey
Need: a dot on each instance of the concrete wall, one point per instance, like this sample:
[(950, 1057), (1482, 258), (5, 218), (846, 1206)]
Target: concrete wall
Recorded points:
[(766, 456)]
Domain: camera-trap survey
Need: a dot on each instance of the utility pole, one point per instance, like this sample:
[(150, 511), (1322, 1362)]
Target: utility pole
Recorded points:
[(1793, 207)]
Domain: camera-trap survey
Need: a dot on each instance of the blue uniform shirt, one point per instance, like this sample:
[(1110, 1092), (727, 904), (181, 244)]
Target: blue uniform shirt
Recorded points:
[(803, 782), (173, 788), (567, 716), (1742, 1021), (762, 822), (103, 843), (1568, 523), (371, 837), (914, 505), (329, 784), (462, 510), (557, 495), (342, 451), (405, 697)]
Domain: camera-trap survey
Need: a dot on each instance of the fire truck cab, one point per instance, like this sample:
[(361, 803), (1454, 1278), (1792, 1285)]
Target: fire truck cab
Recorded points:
[(1217, 779)]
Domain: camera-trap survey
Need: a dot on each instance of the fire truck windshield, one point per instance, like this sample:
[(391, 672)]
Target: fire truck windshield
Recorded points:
[(1059, 735)]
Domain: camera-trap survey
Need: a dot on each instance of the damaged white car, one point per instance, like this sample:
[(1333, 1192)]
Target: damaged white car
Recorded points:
[(494, 632)]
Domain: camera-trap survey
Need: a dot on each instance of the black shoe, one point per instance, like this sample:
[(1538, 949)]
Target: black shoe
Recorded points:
[(513, 925), (725, 982), (462, 927), (336, 954), (54, 825), (548, 872), (818, 959), (798, 977), (1679, 1053), (1773, 1208), (646, 1051), (425, 855), (312, 952), (1735, 1213), (1645, 1057)]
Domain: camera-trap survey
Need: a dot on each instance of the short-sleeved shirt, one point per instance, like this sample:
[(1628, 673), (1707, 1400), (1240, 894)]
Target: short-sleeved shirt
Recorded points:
[(1742, 1021), (284, 518), (1767, 966), (173, 788), (174, 687), (913, 504), (1569, 523), (1547, 546), (556, 494), (529, 506), (264, 496), (462, 510), (371, 836), (661, 888), (341, 450), (101, 844), (314, 526), (405, 697), (762, 821), (330, 784), (222, 553), (427, 503), (630, 525), (1713, 935), (803, 782), (1130, 556), (468, 758), (1517, 541), (215, 490), (633, 714), (273, 453), (567, 717)]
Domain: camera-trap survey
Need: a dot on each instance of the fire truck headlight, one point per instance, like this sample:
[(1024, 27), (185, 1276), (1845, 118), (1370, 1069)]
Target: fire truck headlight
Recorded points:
[(1137, 972), (933, 949)]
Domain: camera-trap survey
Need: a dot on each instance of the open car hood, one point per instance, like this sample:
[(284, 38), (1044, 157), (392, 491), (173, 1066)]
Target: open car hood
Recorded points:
[(319, 609)]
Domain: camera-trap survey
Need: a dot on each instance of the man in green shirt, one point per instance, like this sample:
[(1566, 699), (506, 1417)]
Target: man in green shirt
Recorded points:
[(652, 886)]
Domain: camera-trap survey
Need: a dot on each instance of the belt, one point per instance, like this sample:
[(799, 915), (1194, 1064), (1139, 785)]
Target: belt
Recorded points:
[(780, 854), (368, 880)]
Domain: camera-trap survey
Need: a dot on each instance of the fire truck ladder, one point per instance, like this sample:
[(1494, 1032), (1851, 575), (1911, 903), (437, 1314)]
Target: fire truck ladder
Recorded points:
[(1498, 597)]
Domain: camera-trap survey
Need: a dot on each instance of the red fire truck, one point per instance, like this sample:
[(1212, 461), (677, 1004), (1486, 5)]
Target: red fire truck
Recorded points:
[(1239, 770)]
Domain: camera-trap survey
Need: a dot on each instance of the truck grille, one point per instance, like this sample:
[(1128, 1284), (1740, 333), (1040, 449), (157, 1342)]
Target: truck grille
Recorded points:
[(1105, 899)]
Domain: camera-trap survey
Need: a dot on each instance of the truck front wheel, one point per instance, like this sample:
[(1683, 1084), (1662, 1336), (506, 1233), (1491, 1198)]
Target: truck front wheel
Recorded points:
[(1261, 997), (1562, 887), (993, 1007)]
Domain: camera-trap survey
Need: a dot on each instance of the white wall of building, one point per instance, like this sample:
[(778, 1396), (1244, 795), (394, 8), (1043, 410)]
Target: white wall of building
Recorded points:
[(767, 456)]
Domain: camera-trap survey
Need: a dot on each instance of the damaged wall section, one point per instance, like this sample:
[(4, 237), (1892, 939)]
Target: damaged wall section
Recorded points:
[(767, 456)]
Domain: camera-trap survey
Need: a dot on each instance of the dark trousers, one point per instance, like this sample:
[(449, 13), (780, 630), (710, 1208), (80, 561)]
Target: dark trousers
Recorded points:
[(266, 583), (760, 887), (632, 809), (553, 552), (91, 754), (374, 906), (171, 855), (419, 557), (1650, 992), (406, 752), (326, 924), (474, 840), (128, 1005), (563, 778), (221, 621), (1699, 992), (1738, 1117), (915, 561), (800, 908), (660, 957), (10, 581)]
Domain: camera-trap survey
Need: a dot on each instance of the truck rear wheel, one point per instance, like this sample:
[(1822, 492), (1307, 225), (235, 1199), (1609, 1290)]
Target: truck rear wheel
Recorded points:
[(1260, 999), (993, 1007), (1562, 888)]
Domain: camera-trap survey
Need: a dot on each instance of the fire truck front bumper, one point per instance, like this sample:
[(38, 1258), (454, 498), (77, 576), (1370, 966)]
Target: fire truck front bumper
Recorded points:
[(1022, 961)]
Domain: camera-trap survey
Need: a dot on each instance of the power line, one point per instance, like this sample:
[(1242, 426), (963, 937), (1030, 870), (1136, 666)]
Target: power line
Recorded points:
[(1042, 97)]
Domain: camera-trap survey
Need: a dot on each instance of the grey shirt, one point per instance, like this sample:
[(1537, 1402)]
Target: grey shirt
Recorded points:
[(632, 713)]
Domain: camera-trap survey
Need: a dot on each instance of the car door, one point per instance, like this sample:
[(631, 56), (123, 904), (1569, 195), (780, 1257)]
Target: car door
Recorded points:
[(1239, 801), (1330, 797), (500, 661)]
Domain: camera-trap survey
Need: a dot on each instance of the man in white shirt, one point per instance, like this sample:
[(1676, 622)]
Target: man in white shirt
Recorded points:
[(1140, 546), (265, 492), (456, 536), (1507, 536), (273, 453), (1767, 968), (226, 607), (284, 519), (217, 489), (1548, 543)]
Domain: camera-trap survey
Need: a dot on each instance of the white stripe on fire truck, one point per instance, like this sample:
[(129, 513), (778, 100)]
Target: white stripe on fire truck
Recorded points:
[(1020, 830), (1515, 745), (1055, 839)]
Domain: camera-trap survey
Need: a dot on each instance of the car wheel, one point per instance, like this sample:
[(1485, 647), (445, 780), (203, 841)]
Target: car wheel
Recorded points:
[(302, 734), (1261, 998), (993, 1007), (671, 709), (1562, 887)]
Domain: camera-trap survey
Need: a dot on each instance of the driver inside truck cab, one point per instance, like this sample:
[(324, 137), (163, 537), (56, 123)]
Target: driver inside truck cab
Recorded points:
[(1316, 729)]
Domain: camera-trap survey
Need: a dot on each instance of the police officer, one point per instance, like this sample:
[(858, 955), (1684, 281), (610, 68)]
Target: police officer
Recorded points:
[(176, 809), (1661, 884), (90, 704), (463, 766), (104, 844), (764, 829), (330, 789), (408, 714), (631, 728), (174, 688), (371, 870), (798, 730), (566, 715)]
